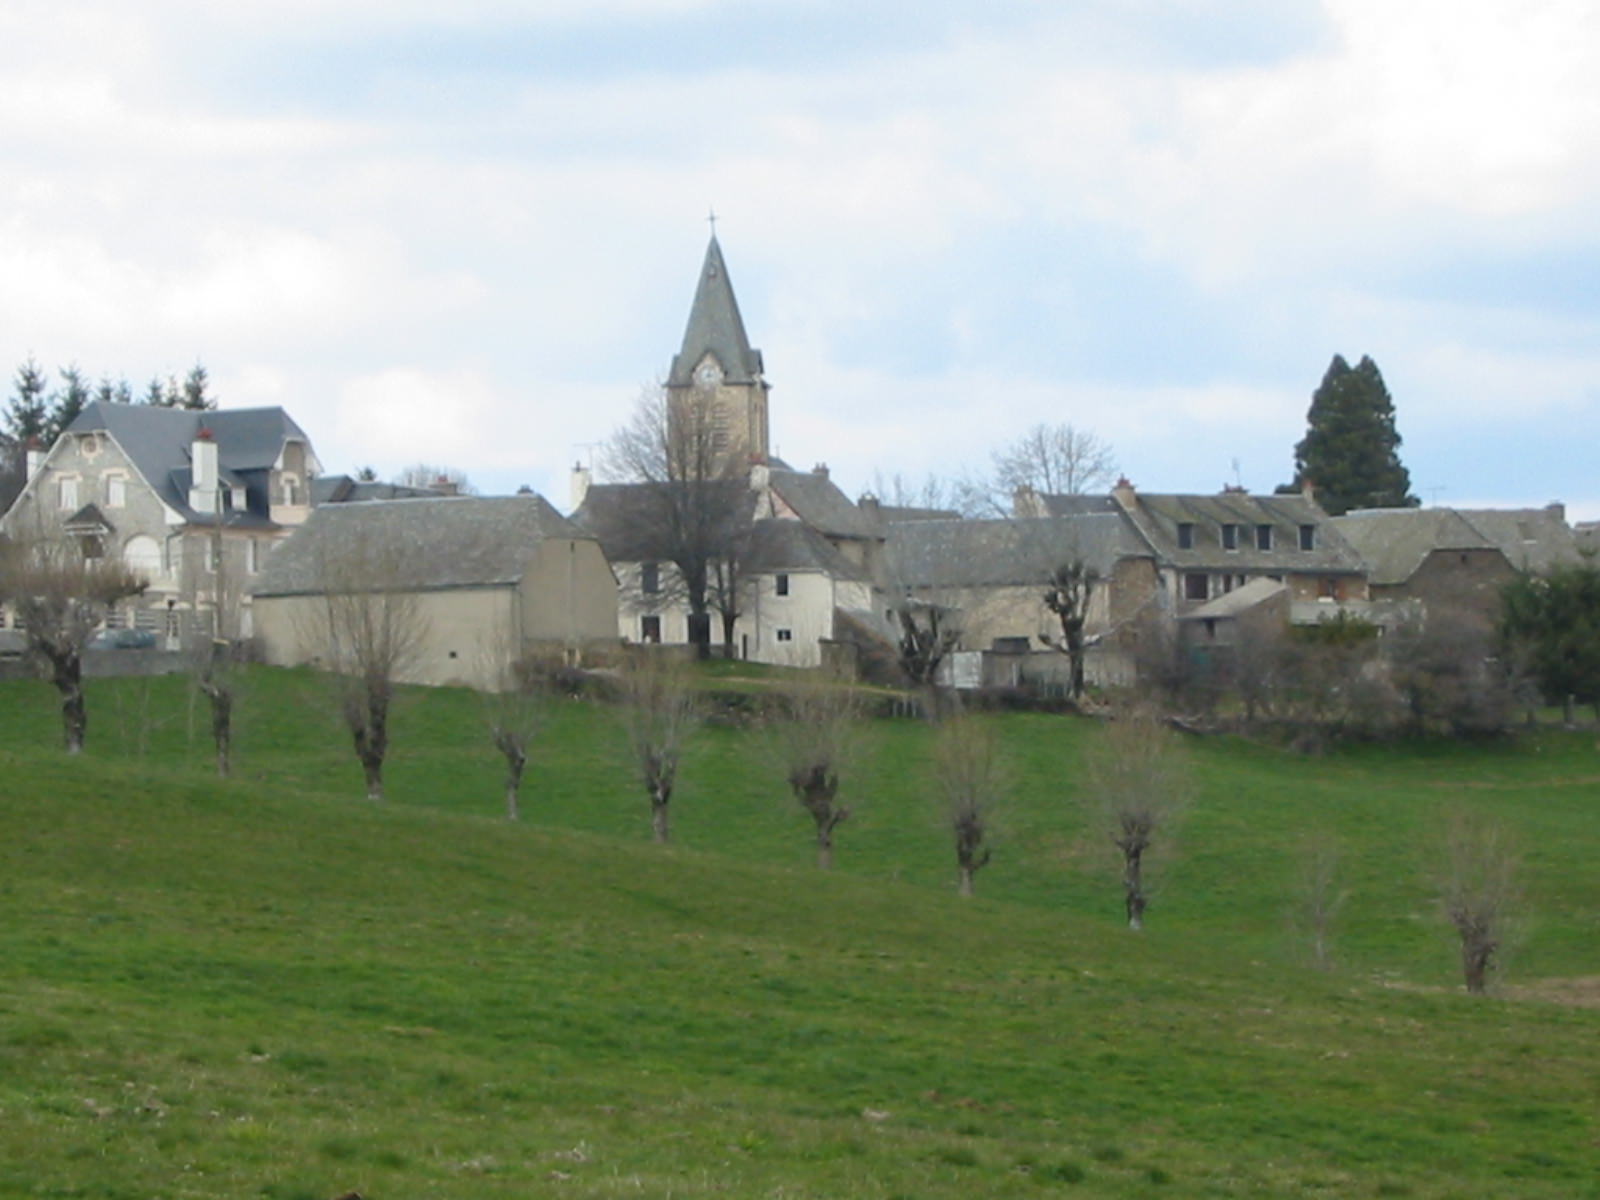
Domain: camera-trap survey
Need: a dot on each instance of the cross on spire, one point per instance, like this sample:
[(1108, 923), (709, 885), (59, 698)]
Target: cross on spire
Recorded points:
[(711, 219)]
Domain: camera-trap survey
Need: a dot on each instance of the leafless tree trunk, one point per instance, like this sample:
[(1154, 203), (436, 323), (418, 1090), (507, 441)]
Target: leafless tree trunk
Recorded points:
[(60, 598), (1137, 774), (515, 712), (215, 677), (928, 633), (372, 627), (815, 742), (969, 774), (660, 712), (1480, 892), (1318, 896), (1067, 596)]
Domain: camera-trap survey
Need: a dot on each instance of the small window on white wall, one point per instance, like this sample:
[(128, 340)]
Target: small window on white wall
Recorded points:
[(781, 585), (67, 492), (116, 491), (786, 635)]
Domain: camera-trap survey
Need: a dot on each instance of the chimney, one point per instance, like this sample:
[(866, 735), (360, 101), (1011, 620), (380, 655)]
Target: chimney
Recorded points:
[(35, 456), (1124, 494), (1555, 508), (580, 485), (820, 470), (444, 485), (203, 474), (868, 503), (1308, 489)]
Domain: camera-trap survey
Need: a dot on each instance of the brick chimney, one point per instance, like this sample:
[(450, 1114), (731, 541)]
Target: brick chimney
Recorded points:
[(820, 470)]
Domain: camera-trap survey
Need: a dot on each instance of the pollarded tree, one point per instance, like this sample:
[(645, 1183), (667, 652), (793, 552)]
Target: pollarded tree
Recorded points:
[(1139, 781), (1351, 452), (967, 760), (1480, 892), (1067, 596), (61, 596), (816, 739), (660, 711), (515, 712)]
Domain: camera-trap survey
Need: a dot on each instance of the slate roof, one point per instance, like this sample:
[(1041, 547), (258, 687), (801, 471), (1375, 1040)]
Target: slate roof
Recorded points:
[(817, 501), (624, 517), (342, 489), (445, 541), (1006, 553), (715, 325), (158, 443), (783, 545), (1158, 517), (1396, 541), (1234, 603), (1533, 539)]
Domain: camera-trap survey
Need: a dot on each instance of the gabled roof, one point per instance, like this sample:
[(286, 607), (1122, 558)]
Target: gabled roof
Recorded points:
[(1006, 553), (89, 518), (625, 517), (1532, 539), (813, 498), (444, 542), (158, 443), (715, 326), (1396, 541), (1159, 517), (779, 545)]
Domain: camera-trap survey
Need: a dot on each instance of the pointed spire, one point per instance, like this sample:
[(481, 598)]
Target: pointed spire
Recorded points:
[(715, 327)]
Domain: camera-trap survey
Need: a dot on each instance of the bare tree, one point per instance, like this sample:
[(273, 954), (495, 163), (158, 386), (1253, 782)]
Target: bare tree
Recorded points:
[(1139, 779), (1051, 459), (216, 678), (515, 712), (816, 739), (61, 590), (448, 480), (1068, 594), (696, 504), (660, 711), (928, 632), (1318, 896), (967, 760), (371, 626), (1480, 891)]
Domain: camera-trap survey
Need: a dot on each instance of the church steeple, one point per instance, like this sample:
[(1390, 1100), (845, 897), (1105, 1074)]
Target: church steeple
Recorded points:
[(715, 328), (717, 365)]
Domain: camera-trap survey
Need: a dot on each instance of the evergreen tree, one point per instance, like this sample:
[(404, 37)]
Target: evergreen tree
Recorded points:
[(195, 384), (1553, 622), (28, 415), (66, 403), (1351, 452), (109, 392)]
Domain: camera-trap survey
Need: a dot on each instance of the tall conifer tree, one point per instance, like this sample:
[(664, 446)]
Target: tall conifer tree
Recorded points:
[(1351, 451)]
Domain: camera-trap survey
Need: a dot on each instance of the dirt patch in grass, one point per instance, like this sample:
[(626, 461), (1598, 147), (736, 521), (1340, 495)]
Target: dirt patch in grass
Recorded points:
[(1580, 991)]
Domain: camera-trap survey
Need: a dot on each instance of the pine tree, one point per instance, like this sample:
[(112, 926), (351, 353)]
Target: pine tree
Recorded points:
[(1351, 452), (28, 415), (66, 403), (195, 395)]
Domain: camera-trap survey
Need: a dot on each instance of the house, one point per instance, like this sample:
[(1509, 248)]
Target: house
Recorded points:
[(488, 579), (1532, 539), (192, 500), (993, 575), (1206, 546), (1434, 558)]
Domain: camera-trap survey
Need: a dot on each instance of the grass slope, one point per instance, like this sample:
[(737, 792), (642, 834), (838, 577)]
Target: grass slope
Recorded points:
[(270, 988)]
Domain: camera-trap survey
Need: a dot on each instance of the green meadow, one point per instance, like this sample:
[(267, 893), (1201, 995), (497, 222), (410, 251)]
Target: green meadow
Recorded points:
[(269, 987)]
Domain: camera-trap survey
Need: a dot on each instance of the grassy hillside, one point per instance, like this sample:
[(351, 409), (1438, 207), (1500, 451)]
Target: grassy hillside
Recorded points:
[(270, 988)]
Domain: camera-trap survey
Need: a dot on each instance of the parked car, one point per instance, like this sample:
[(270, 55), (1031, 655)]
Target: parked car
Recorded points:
[(123, 639)]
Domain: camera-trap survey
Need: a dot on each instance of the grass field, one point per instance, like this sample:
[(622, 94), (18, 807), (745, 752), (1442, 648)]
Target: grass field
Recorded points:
[(269, 987)]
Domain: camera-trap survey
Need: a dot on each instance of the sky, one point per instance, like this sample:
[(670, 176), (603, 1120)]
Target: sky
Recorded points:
[(468, 234)]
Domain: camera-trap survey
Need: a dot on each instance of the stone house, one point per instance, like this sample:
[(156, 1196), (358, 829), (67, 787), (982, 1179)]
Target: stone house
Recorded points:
[(192, 500), (488, 580), (1434, 558)]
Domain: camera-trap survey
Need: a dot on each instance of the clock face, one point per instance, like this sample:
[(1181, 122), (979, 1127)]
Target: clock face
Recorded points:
[(708, 376)]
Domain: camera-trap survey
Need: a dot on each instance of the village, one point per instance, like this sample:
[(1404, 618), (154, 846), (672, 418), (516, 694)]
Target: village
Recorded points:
[(711, 542)]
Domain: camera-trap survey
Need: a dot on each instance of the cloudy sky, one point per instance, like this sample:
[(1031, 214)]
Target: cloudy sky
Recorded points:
[(468, 233)]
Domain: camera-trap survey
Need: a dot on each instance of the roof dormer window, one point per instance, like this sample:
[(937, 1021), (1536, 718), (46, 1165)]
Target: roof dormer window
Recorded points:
[(1185, 535)]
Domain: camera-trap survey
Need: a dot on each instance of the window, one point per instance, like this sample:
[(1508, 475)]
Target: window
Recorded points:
[(1185, 536), (116, 491), (1263, 537), (1328, 588), (254, 562), (213, 554), (650, 629), (1230, 537), (650, 579), (1308, 537), (786, 635), (67, 492), (1195, 586), (142, 553), (781, 585)]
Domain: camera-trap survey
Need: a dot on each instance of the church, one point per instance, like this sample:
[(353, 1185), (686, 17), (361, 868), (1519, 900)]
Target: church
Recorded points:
[(716, 541)]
